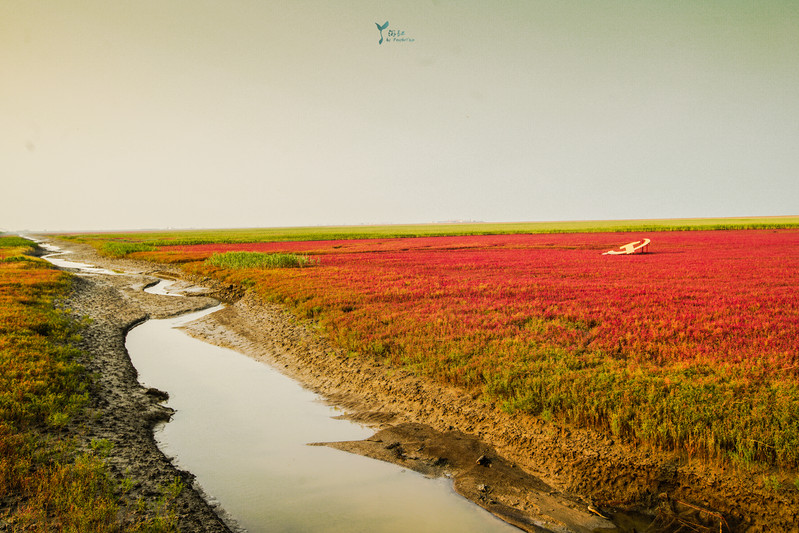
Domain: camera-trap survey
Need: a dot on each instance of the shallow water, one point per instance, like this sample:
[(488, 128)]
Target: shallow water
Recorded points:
[(162, 288), (55, 258), (243, 428)]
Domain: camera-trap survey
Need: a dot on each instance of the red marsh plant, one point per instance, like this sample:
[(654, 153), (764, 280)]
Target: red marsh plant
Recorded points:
[(694, 346)]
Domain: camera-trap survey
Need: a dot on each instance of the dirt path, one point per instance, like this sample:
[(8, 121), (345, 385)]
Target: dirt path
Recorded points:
[(532, 474)]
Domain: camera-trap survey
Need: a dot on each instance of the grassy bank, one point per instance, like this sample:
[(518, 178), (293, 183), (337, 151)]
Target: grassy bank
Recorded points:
[(46, 483)]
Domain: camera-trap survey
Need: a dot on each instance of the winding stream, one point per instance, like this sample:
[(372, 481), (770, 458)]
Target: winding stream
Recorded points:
[(243, 429), (54, 258)]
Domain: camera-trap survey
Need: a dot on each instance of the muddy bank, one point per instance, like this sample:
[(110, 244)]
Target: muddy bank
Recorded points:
[(120, 410), (531, 473)]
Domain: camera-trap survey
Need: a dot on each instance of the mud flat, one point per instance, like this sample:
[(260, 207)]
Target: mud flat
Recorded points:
[(535, 475)]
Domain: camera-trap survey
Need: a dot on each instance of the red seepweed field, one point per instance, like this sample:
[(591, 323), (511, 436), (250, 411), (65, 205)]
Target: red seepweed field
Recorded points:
[(693, 346)]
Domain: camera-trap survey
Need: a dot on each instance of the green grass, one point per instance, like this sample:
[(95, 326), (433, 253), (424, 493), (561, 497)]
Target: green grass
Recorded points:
[(121, 249), (241, 260), (15, 241), (311, 233)]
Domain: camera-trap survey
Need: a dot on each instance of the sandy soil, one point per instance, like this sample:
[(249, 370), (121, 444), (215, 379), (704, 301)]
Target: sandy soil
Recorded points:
[(531, 473)]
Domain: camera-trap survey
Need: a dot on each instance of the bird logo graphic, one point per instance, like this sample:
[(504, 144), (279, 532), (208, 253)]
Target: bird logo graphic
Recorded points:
[(381, 28)]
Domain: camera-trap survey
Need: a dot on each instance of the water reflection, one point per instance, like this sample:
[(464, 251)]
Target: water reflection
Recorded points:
[(241, 427)]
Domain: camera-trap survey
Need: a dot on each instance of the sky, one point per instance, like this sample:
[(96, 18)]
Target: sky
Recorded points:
[(256, 113)]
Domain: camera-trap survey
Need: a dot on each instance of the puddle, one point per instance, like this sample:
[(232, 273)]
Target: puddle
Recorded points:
[(162, 288)]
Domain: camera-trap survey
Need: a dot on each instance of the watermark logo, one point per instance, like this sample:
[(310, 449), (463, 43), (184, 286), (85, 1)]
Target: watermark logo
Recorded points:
[(380, 29), (393, 36)]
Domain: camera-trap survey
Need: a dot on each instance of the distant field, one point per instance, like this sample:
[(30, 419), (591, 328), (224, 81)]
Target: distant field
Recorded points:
[(694, 346), (314, 233)]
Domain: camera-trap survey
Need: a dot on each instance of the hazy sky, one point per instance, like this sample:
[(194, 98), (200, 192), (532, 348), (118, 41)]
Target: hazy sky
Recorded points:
[(161, 113)]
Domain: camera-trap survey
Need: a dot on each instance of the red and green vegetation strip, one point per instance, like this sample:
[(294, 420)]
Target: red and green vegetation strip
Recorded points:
[(693, 347), (115, 244), (45, 483)]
